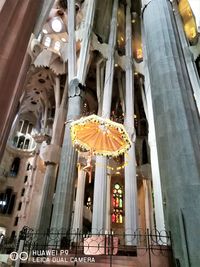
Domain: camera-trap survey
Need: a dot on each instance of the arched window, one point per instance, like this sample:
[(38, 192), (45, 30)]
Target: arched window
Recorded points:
[(26, 144), (47, 41), (16, 221), (23, 192), (57, 46), (25, 178), (25, 127), (19, 206), (21, 142), (29, 167), (117, 203), (30, 127), (15, 167), (7, 201)]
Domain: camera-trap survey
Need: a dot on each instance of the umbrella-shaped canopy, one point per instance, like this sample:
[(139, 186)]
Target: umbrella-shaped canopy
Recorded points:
[(100, 136)]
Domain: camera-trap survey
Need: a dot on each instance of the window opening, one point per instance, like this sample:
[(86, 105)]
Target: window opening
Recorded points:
[(7, 201), (19, 206), (16, 221), (23, 191), (117, 202), (26, 145), (25, 126), (28, 167), (25, 178), (21, 142), (15, 167)]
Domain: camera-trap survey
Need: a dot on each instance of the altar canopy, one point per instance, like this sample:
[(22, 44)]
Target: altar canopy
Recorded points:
[(100, 136)]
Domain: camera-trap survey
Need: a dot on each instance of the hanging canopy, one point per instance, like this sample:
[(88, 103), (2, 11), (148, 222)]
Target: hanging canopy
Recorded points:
[(100, 136)]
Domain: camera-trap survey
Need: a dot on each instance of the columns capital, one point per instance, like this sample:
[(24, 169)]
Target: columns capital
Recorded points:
[(75, 88), (51, 154)]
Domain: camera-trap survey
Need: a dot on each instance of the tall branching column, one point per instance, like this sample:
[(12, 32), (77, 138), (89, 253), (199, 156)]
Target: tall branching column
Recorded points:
[(67, 171), (177, 130), (52, 159), (61, 216), (100, 183), (130, 169), (64, 190)]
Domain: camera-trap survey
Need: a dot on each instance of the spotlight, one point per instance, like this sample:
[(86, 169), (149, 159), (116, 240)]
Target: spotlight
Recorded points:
[(56, 25), (63, 39), (44, 31)]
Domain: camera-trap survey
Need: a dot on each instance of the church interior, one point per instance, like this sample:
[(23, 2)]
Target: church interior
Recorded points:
[(127, 67)]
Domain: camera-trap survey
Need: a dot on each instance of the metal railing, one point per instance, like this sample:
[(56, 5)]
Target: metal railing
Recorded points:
[(76, 244), (7, 245)]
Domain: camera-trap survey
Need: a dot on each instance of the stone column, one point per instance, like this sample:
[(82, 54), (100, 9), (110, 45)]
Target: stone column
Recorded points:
[(177, 130), (99, 202), (32, 181), (51, 157), (100, 182), (67, 171), (17, 20), (78, 210), (131, 211), (72, 40), (61, 216), (47, 196)]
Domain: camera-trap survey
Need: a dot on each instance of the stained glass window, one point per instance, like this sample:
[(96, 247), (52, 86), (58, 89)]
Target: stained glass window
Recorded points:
[(117, 203)]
